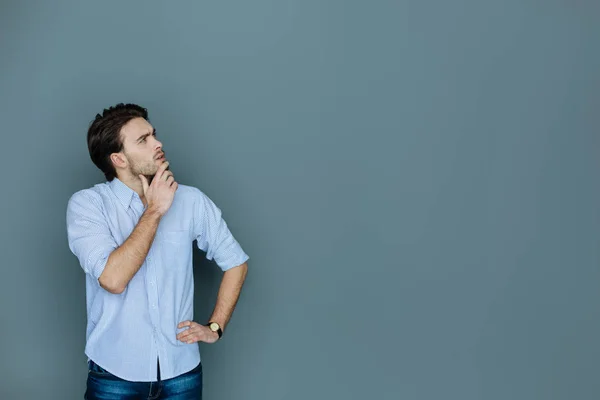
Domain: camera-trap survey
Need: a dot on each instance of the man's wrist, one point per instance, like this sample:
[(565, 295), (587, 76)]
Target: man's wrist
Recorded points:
[(215, 327), (153, 213)]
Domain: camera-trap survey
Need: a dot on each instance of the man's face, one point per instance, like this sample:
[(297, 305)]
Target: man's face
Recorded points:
[(141, 148)]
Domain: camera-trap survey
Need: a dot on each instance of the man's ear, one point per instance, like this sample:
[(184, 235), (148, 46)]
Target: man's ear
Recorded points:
[(118, 160)]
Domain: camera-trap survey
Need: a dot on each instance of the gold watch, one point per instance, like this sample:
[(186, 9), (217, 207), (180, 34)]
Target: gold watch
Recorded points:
[(215, 327)]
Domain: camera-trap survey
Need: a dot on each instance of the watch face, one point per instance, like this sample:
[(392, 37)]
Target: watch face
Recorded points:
[(214, 326)]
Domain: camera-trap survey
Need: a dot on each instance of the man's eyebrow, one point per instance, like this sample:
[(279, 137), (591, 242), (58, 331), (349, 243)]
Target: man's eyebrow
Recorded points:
[(146, 135)]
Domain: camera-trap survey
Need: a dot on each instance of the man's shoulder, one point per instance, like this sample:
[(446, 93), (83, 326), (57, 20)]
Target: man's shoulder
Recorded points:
[(192, 195), (188, 191), (91, 194)]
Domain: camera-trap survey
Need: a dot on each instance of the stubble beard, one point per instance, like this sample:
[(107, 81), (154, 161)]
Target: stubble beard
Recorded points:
[(136, 171)]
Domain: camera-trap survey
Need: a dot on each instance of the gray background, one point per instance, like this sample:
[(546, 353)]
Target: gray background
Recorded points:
[(415, 182)]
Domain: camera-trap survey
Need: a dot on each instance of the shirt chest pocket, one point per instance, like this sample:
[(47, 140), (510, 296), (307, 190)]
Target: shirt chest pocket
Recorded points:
[(174, 248)]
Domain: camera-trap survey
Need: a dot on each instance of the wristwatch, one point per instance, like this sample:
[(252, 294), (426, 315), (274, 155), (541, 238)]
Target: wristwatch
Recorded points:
[(215, 327)]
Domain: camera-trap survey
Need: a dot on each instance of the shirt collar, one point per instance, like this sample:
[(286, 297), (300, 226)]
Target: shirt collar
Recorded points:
[(123, 192)]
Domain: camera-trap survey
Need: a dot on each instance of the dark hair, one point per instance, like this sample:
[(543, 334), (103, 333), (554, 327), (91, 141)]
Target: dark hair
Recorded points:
[(104, 134)]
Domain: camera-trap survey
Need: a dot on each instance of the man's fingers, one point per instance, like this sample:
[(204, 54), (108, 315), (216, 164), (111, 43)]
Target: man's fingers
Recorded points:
[(161, 169), (184, 323), (190, 335), (144, 183), (184, 334)]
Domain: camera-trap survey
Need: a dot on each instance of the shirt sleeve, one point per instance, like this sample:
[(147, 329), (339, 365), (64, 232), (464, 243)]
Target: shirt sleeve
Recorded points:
[(213, 236), (88, 233)]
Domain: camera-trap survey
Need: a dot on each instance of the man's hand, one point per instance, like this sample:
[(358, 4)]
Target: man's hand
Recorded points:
[(196, 333), (159, 194)]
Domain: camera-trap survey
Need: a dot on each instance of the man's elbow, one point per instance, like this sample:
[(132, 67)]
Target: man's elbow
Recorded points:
[(110, 285)]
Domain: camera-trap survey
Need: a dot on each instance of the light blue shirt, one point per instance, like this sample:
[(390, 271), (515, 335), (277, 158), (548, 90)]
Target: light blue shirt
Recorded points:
[(127, 332)]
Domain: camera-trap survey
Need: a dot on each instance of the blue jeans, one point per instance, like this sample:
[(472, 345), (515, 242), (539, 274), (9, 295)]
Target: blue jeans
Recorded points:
[(102, 385)]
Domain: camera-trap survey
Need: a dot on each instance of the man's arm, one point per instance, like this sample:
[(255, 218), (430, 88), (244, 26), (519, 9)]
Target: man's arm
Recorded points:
[(125, 261), (214, 237), (229, 293)]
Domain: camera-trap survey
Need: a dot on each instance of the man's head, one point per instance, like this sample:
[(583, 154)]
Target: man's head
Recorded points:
[(123, 144)]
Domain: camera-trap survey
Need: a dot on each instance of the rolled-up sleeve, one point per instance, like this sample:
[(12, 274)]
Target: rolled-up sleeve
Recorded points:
[(88, 233), (213, 235)]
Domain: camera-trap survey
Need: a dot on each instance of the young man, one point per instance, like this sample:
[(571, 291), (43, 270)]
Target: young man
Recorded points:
[(133, 237)]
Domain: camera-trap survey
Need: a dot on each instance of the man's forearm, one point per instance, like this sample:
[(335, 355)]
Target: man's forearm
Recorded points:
[(126, 260), (229, 293)]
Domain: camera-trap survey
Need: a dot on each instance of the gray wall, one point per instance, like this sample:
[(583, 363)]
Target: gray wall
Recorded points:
[(415, 182)]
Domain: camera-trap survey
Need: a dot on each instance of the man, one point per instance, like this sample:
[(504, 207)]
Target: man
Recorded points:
[(133, 237)]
